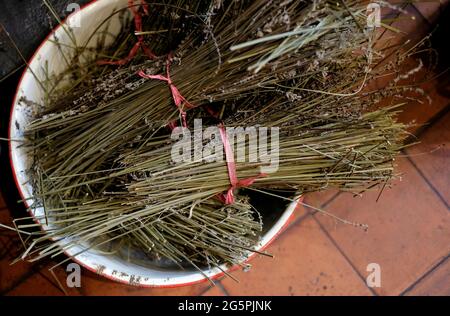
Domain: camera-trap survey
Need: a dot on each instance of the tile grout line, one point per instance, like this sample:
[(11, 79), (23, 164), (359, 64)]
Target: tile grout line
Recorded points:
[(428, 182), (18, 281), (432, 122), (421, 15), (52, 282), (345, 256), (202, 292), (222, 288), (426, 274), (424, 127), (311, 213)]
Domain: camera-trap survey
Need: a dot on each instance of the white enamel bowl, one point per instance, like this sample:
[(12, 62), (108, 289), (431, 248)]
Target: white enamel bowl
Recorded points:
[(110, 266)]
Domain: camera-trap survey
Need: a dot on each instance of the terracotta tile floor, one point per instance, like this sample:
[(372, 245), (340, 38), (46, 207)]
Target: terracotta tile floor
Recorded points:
[(408, 236)]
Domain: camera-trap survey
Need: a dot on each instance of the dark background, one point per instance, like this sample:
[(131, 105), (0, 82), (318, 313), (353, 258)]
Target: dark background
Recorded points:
[(27, 22)]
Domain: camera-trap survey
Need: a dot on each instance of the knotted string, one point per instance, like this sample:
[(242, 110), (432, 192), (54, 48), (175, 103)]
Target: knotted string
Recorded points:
[(178, 99), (228, 197), (140, 38)]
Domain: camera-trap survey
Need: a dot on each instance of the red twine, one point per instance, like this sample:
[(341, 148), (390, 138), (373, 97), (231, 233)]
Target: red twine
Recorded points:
[(178, 99), (228, 198), (140, 38)]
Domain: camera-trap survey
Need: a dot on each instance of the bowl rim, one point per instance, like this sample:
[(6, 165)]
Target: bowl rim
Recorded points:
[(284, 221)]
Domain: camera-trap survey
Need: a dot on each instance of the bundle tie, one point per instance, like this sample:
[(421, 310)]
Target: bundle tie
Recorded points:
[(140, 38), (178, 99), (228, 197)]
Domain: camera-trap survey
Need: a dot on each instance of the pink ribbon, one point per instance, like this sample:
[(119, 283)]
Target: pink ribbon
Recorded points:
[(140, 43), (228, 198), (178, 99)]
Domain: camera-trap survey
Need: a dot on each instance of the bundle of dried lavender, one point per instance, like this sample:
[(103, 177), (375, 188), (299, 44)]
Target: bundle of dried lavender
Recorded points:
[(103, 168)]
